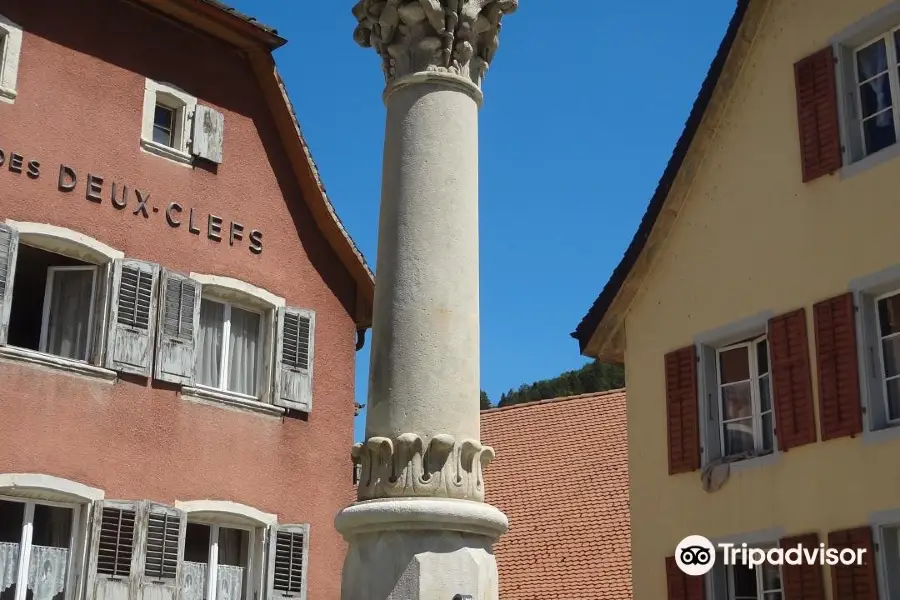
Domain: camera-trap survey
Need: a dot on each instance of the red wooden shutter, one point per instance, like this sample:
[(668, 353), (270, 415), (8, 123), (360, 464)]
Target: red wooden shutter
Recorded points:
[(795, 420), (840, 412), (817, 114), (681, 586), (803, 581), (682, 411), (854, 582)]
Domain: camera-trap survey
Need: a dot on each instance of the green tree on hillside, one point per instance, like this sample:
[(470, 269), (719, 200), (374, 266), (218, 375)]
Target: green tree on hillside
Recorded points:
[(593, 377), (485, 401)]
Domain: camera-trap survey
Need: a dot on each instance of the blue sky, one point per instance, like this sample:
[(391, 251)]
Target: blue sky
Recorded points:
[(583, 106)]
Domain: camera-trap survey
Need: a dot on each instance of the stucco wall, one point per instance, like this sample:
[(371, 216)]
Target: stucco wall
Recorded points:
[(751, 237), (80, 95)]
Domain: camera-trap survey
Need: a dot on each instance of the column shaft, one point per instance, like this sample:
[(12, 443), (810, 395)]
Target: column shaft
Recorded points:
[(424, 373)]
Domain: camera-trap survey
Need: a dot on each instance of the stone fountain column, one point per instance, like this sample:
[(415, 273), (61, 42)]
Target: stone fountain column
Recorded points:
[(420, 528)]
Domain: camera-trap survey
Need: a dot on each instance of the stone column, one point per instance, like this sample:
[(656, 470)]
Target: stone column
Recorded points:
[(420, 528)]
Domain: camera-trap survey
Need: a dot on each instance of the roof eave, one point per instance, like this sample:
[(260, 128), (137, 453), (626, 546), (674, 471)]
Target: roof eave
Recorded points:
[(587, 329), (220, 21)]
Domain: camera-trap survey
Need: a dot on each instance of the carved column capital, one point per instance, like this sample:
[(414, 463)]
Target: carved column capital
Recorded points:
[(450, 36), (408, 466)]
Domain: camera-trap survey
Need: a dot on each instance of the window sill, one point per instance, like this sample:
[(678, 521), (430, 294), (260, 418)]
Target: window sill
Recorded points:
[(7, 95), (879, 436), (870, 162), (172, 154), (754, 462), (57, 363), (207, 396)]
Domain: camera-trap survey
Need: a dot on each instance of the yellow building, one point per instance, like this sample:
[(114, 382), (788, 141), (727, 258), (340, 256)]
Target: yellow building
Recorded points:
[(757, 311)]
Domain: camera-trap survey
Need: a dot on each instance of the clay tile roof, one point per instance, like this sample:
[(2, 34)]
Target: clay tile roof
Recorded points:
[(561, 476)]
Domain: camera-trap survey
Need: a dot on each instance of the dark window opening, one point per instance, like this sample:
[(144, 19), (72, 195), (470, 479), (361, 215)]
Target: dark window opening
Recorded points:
[(52, 303)]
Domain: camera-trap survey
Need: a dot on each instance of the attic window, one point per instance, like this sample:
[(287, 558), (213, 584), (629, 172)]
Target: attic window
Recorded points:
[(10, 47), (167, 122)]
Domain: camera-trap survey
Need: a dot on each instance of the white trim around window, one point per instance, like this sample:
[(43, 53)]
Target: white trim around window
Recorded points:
[(10, 51), (750, 332), (868, 292), (72, 244), (182, 106), (880, 25)]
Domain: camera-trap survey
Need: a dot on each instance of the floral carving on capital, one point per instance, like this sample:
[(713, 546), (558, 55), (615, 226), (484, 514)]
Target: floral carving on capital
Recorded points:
[(451, 36)]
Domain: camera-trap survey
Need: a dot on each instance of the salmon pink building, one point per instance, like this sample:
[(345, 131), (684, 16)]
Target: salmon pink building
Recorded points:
[(179, 313)]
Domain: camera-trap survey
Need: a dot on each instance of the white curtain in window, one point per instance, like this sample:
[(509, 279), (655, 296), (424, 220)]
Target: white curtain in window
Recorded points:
[(229, 582), (47, 571), (69, 314), (242, 348), (9, 565), (194, 587), (212, 318)]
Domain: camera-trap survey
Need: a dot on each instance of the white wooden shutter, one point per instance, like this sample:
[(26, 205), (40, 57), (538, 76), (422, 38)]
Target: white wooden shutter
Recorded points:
[(163, 549), (132, 321), (179, 328), (288, 562), (113, 559), (209, 129), (294, 348), (9, 247)]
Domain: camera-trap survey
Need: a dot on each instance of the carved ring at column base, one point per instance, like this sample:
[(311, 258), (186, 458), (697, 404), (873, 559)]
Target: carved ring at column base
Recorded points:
[(406, 467)]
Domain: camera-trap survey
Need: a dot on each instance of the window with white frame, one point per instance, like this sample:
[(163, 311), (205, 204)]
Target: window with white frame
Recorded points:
[(887, 309), (10, 49), (739, 582), (231, 339), (231, 342), (217, 562), (745, 398), (38, 549), (167, 121), (54, 304), (879, 322), (66, 302), (888, 551), (877, 82)]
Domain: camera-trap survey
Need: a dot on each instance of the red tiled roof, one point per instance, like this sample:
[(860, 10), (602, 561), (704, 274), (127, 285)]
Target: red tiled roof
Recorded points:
[(561, 476)]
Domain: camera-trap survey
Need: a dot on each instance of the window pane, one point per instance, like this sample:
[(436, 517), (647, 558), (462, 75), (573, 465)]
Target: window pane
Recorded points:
[(233, 562), (765, 393), (162, 136), (736, 403), (196, 561), (738, 437), (734, 365), (68, 322), (762, 357), (879, 132), (196, 542), (771, 576), (243, 351), (893, 398), (890, 352), (212, 319), (875, 96), (768, 432), (163, 125), (889, 315), (871, 60), (744, 581), (49, 552)]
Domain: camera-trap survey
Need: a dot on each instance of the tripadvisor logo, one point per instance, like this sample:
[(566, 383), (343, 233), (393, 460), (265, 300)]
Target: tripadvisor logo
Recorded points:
[(696, 555)]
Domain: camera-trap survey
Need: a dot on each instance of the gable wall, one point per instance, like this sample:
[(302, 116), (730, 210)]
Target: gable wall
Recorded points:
[(752, 237)]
